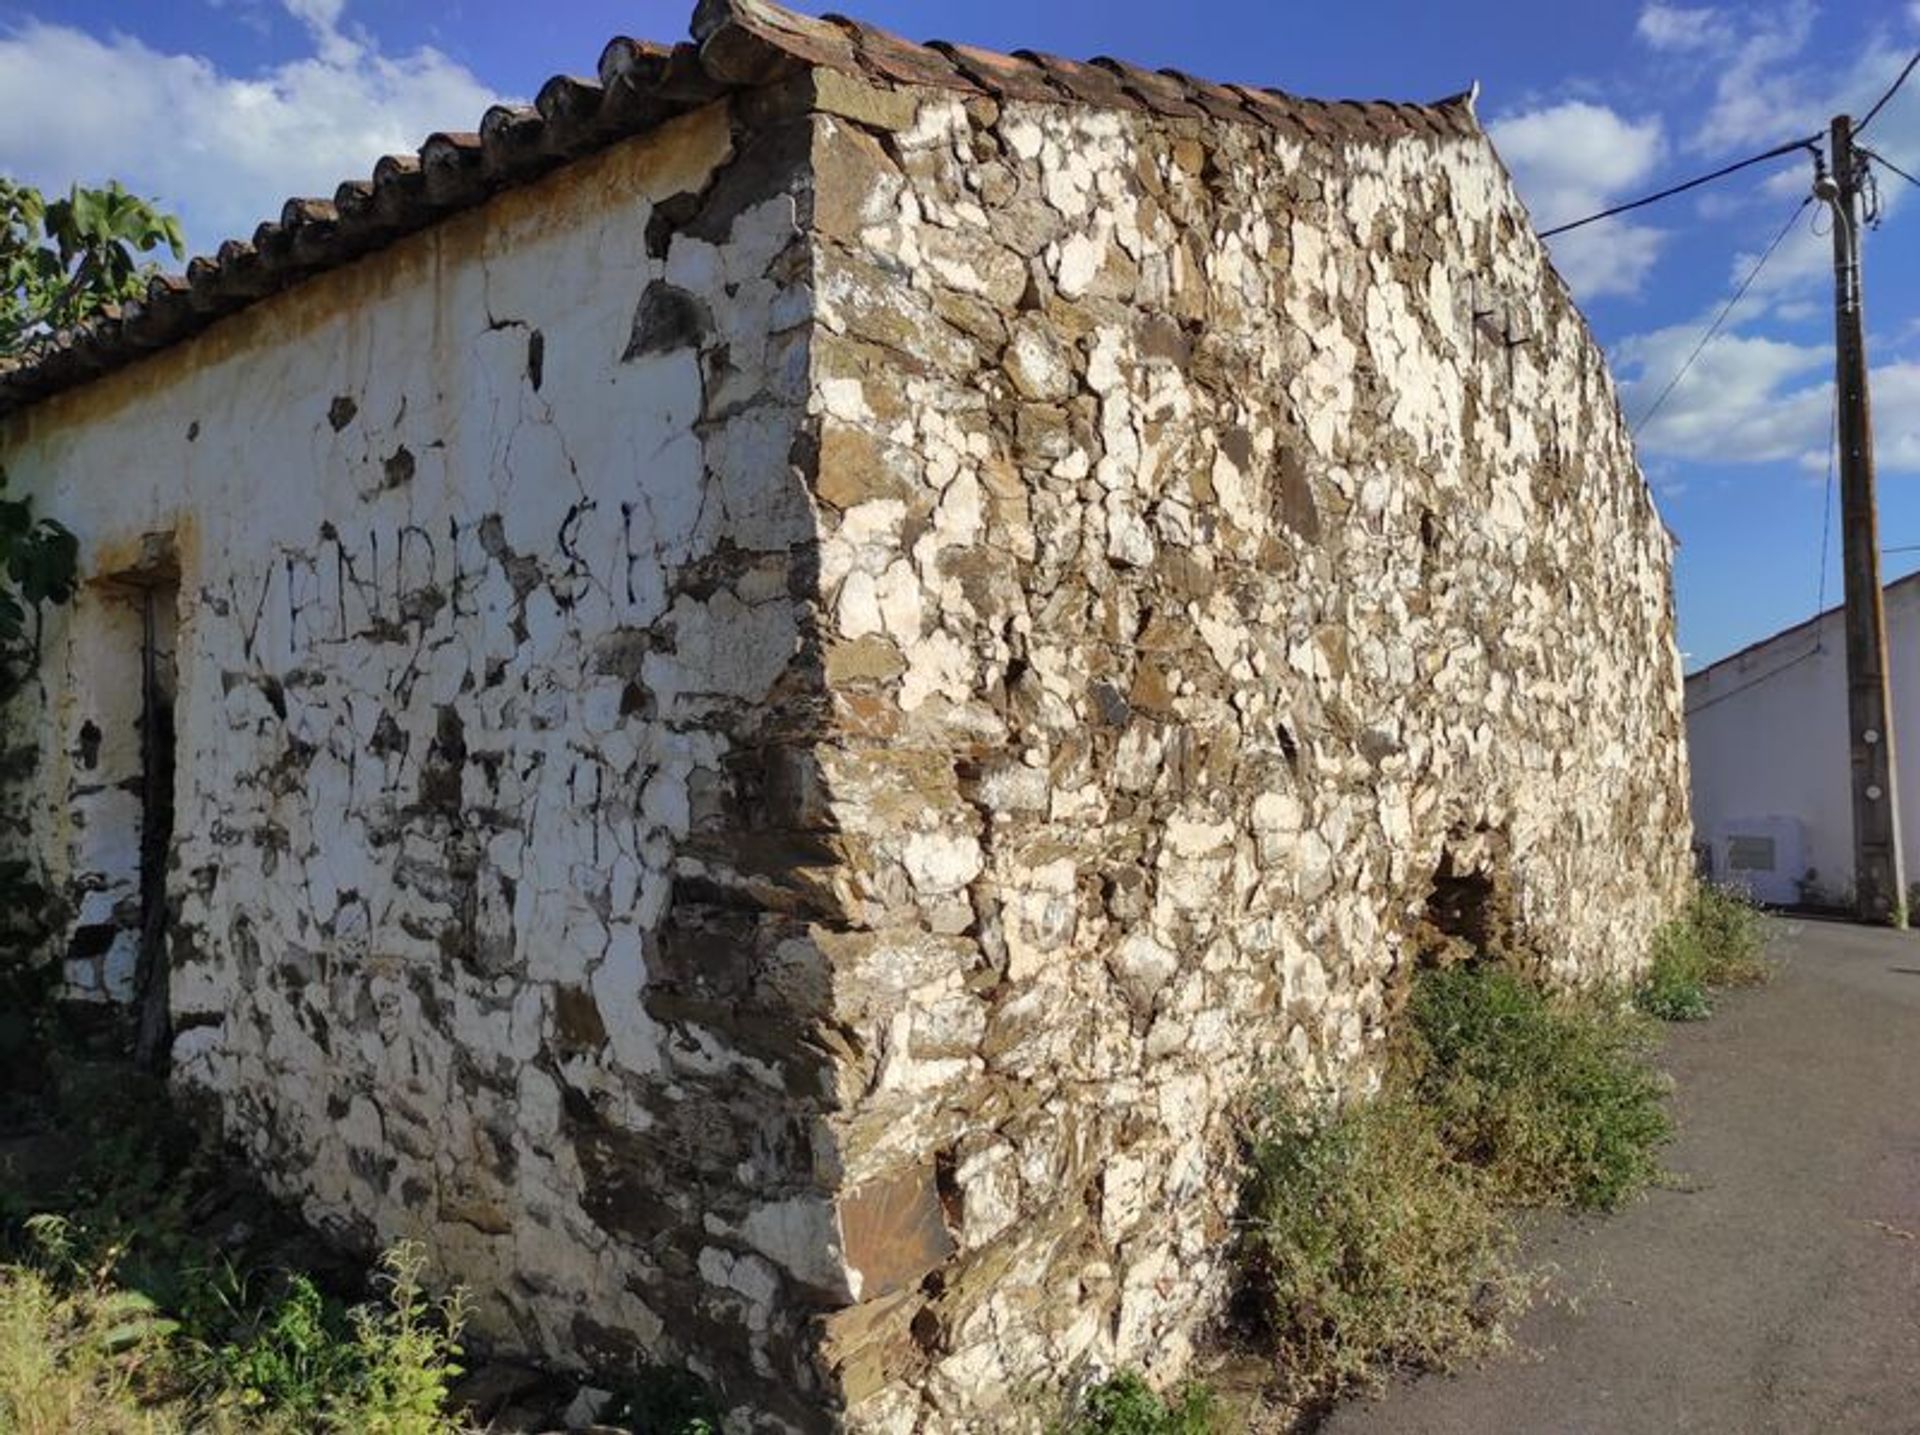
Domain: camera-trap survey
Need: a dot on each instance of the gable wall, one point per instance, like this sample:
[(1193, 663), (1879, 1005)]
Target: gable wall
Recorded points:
[(1223, 527)]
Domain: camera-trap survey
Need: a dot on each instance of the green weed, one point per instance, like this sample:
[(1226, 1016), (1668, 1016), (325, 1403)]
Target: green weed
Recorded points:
[(77, 1354), (1553, 1098), (1716, 941), (1127, 1405), (1365, 1241), (301, 1361), (1376, 1234), (117, 1304)]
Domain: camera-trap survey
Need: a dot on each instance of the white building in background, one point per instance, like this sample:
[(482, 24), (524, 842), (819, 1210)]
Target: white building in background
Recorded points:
[(1767, 729)]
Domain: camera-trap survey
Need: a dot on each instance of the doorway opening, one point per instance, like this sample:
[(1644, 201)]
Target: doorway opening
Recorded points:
[(121, 796), (159, 685)]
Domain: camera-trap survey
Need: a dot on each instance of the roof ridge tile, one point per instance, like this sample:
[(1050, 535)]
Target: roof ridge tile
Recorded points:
[(637, 85)]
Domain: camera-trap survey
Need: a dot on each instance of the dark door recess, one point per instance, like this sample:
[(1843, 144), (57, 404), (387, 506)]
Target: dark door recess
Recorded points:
[(159, 607)]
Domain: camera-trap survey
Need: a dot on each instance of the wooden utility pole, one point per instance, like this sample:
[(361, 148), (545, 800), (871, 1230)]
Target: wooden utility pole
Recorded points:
[(1879, 873)]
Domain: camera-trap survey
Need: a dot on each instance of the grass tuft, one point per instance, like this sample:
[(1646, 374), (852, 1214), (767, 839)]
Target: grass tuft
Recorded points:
[(120, 1313), (79, 1352), (299, 1361), (1366, 1242), (76, 1354), (1553, 1098), (1377, 1233), (1716, 941)]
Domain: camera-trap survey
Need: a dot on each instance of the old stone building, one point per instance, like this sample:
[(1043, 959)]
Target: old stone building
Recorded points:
[(754, 700)]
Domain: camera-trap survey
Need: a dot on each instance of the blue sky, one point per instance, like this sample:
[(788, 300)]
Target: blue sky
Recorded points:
[(221, 108)]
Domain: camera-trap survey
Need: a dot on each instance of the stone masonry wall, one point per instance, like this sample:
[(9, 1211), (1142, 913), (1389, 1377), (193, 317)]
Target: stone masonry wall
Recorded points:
[(1222, 530)]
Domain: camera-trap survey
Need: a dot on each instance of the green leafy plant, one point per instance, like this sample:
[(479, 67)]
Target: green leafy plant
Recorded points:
[(1125, 1404), (77, 1352), (408, 1346), (158, 1328), (38, 560), (1716, 941), (288, 1356), (665, 1400), (1365, 1242), (64, 260), (299, 1361), (1553, 1098), (81, 1351)]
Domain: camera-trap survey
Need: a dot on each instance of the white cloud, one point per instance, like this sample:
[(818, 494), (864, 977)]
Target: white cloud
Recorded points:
[(1747, 399), (1768, 85), (1896, 417), (223, 151), (1573, 159), (1750, 399), (1572, 152), (320, 15), (1755, 101), (1800, 271), (1762, 393), (1669, 27), (322, 19), (1613, 257)]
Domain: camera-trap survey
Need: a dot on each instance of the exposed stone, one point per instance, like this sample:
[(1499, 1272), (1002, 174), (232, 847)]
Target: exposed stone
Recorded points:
[(894, 1231), (835, 93), (856, 466), (868, 659), (668, 318), (861, 190)]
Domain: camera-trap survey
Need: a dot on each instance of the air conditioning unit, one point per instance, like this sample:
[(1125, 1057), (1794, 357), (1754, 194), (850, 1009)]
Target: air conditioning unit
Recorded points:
[(1763, 856)]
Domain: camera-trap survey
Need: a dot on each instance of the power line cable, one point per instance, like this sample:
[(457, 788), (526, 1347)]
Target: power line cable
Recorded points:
[(1754, 682), (1725, 310), (1888, 165), (1668, 193), (1810, 142), (1892, 90)]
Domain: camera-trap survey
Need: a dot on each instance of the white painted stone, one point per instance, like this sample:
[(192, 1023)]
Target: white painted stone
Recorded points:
[(941, 861)]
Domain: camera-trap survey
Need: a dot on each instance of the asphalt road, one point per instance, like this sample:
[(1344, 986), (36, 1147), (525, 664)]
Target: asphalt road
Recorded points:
[(1778, 1287)]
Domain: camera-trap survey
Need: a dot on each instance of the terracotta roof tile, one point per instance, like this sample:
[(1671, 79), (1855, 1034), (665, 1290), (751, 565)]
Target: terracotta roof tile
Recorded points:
[(1010, 77), (1088, 84), (1220, 101), (736, 44), (571, 110), (632, 62), (1154, 92), (900, 61)]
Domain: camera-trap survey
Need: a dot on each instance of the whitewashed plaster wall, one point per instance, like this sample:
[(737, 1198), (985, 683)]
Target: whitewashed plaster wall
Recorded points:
[(1767, 737), (485, 576)]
